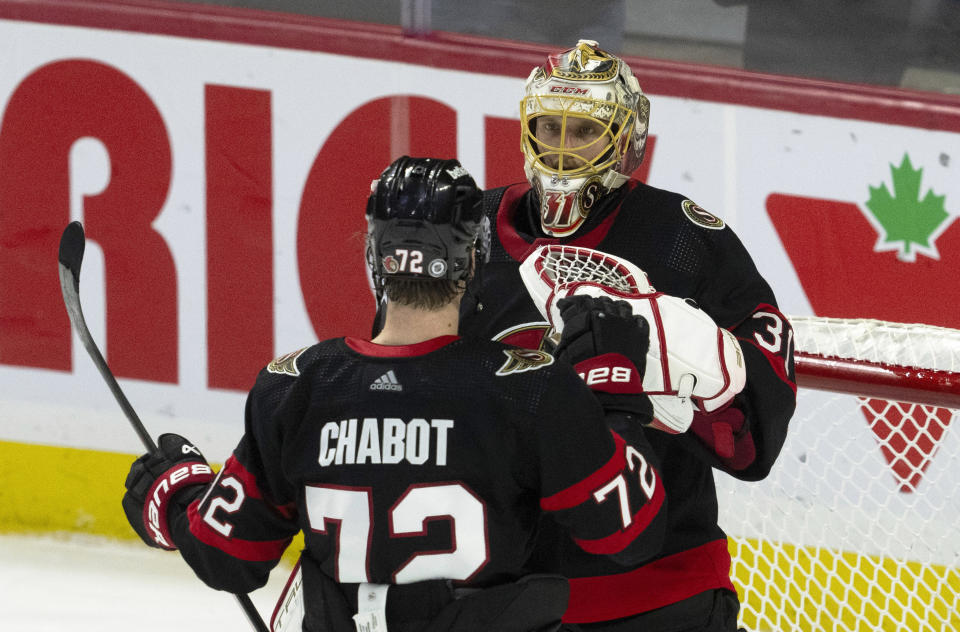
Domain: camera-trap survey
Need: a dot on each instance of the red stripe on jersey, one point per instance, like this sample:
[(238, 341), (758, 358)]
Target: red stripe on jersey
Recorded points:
[(583, 491), (512, 242), (235, 468), (659, 583), (618, 541), (246, 550), (398, 351)]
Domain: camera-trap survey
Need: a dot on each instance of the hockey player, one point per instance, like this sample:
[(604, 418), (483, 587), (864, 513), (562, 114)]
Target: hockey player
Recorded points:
[(417, 463), (584, 127)]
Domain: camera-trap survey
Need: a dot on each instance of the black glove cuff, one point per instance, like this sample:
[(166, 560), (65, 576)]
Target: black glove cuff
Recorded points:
[(637, 406)]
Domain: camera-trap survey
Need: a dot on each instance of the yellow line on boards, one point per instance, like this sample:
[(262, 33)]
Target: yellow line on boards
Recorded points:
[(50, 489), (47, 488)]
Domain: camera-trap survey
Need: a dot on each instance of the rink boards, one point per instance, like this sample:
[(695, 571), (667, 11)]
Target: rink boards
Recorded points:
[(221, 163)]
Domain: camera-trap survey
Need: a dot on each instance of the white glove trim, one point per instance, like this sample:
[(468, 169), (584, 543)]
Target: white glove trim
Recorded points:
[(683, 341), (696, 348)]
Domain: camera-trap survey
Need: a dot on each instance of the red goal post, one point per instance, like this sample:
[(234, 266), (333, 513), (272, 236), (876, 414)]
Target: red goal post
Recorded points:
[(857, 528)]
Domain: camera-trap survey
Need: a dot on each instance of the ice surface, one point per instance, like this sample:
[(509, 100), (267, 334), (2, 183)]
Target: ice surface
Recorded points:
[(85, 584)]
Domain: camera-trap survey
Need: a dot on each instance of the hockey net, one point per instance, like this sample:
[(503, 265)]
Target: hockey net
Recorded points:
[(857, 527)]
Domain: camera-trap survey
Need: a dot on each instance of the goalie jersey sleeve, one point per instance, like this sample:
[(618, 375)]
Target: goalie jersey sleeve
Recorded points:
[(433, 464)]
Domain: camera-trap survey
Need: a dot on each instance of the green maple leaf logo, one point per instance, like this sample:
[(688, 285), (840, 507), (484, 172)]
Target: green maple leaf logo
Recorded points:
[(908, 222)]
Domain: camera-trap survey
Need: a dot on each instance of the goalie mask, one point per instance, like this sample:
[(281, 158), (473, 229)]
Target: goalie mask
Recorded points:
[(424, 219), (584, 131)]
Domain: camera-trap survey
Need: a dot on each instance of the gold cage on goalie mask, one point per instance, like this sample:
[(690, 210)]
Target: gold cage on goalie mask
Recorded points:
[(566, 151)]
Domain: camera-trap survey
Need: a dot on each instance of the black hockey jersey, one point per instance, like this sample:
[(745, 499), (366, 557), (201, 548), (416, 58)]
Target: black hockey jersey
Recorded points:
[(689, 253), (420, 462)]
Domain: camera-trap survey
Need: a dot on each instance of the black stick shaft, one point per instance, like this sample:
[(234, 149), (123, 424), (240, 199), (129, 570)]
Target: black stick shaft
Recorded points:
[(80, 326), (71, 257)]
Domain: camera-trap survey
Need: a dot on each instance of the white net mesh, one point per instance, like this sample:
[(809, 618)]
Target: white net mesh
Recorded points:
[(878, 341), (858, 525)]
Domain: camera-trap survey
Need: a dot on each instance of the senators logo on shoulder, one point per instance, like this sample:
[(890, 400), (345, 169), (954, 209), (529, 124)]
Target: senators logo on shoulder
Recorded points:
[(520, 360), (286, 364)]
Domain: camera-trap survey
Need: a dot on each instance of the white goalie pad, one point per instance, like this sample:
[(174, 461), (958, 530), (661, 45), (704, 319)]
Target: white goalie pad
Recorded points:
[(691, 362), (289, 611)]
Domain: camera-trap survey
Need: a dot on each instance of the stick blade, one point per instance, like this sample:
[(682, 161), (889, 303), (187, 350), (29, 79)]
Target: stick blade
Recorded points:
[(72, 244), (71, 257)]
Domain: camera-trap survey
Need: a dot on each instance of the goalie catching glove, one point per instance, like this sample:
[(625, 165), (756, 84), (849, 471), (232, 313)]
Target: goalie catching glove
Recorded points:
[(691, 363), (160, 481), (607, 345)]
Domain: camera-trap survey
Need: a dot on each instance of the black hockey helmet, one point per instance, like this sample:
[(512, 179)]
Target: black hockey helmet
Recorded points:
[(424, 218)]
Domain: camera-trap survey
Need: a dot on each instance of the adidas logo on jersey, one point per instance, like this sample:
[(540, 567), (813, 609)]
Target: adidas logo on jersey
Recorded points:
[(386, 382)]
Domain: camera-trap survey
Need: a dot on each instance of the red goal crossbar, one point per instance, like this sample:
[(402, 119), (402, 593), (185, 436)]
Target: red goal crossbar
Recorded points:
[(913, 363), (882, 381)]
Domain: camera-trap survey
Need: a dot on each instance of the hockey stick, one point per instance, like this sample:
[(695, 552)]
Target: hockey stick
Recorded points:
[(72, 244)]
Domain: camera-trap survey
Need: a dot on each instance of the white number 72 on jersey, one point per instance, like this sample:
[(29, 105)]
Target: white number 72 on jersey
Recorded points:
[(352, 509)]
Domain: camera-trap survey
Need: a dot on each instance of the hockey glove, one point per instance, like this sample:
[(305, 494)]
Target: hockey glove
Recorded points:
[(159, 482), (607, 345), (692, 364)]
